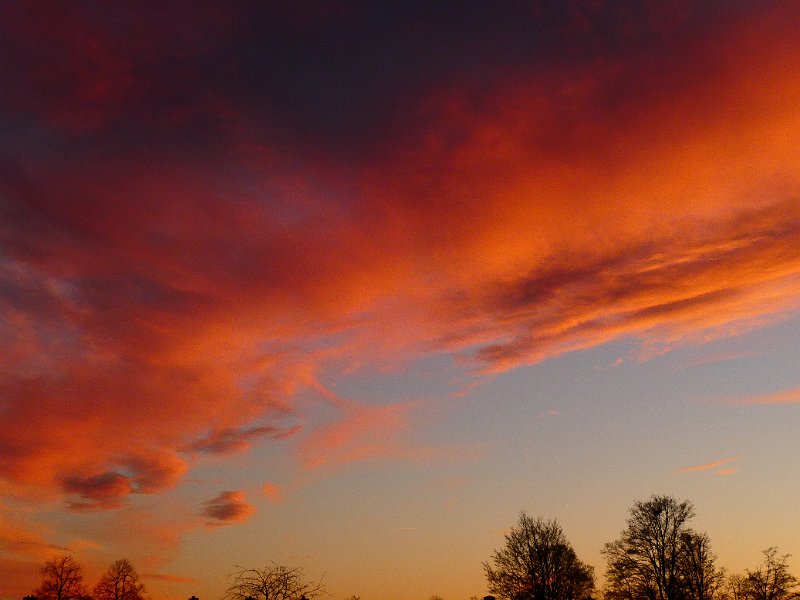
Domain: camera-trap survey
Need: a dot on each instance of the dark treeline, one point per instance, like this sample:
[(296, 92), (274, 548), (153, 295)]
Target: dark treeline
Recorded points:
[(62, 579), (658, 556)]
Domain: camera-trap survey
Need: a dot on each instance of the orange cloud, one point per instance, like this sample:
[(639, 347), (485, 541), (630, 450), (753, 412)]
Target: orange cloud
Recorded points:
[(711, 465), (664, 297)]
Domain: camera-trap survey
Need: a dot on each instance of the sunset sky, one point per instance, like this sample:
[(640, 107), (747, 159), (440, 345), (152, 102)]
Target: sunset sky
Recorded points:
[(347, 285)]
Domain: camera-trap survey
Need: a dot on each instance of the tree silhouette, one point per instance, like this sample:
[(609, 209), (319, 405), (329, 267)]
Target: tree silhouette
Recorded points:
[(61, 580), (273, 582), (644, 562), (538, 563), (120, 582), (658, 557), (771, 580), (700, 579)]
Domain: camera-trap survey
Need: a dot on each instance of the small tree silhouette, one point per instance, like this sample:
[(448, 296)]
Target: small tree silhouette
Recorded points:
[(273, 582)]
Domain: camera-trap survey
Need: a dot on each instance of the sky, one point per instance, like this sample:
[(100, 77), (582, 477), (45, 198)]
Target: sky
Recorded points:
[(347, 285)]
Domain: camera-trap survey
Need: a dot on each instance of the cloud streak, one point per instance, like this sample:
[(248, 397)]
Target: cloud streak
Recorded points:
[(664, 297), (232, 441), (169, 578), (790, 396), (712, 465)]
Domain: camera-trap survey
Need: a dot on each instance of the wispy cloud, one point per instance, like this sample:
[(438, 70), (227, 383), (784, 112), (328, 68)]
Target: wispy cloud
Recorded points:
[(168, 578), (790, 396), (548, 414), (24, 541), (361, 433), (726, 471), (232, 441), (711, 466), (588, 301)]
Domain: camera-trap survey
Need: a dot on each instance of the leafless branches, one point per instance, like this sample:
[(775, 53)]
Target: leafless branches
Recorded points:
[(273, 582)]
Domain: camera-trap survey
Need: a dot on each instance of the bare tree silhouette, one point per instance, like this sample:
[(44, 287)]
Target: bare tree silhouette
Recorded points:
[(273, 582), (120, 582), (538, 563), (62, 580)]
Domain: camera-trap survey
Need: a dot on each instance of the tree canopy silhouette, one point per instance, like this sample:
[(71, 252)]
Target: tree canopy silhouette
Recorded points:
[(62, 579), (272, 582), (120, 582), (771, 580), (658, 557), (538, 563)]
